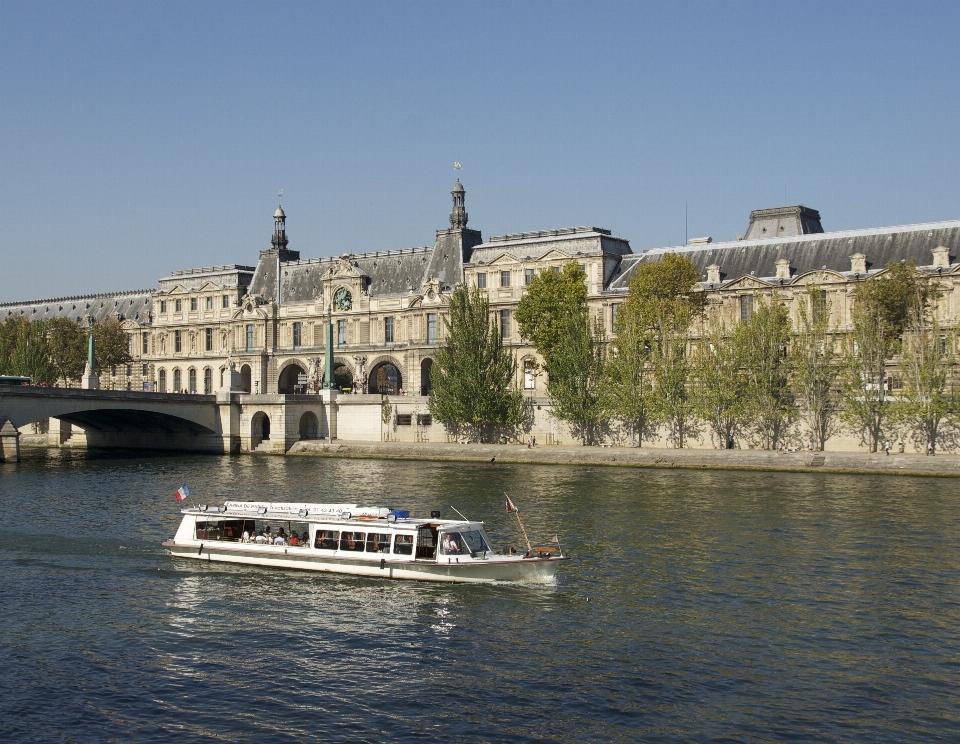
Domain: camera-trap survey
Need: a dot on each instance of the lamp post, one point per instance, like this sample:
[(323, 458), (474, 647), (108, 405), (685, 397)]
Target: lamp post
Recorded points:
[(328, 352), (90, 380)]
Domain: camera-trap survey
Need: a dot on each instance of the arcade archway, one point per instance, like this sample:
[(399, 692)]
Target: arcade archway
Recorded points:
[(245, 376), (425, 368), (309, 426), (259, 429), (385, 379), (288, 384)]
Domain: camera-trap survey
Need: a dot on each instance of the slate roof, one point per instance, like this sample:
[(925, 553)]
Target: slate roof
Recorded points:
[(229, 275), (389, 273), (808, 252), (135, 305), (572, 241)]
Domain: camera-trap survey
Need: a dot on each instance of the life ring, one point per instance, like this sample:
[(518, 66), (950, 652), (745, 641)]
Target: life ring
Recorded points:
[(366, 517)]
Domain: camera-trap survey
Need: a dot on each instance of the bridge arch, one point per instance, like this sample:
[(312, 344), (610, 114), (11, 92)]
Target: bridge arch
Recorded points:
[(309, 426), (259, 429)]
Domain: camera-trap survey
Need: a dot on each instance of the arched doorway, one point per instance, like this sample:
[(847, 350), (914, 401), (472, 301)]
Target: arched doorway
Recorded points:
[(309, 426), (288, 384), (245, 375), (386, 379), (342, 377), (259, 429), (425, 367)]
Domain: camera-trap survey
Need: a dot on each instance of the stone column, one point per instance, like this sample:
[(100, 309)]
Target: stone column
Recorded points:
[(90, 379), (9, 442), (58, 432)]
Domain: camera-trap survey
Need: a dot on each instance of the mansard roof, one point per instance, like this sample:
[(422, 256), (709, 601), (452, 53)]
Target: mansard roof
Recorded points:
[(228, 275), (570, 241), (830, 251), (135, 305), (387, 272)]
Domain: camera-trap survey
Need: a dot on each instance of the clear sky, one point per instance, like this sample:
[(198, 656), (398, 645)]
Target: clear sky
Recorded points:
[(138, 138)]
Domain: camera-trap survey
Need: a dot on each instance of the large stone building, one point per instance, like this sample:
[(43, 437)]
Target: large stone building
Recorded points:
[(388, 307)]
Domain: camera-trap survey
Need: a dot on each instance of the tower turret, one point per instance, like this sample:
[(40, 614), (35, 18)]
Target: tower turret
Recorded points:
[(458, 215), (279, 241)]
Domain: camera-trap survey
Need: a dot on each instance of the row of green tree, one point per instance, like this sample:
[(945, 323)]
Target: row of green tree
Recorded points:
[(54, 351), (674, 366)]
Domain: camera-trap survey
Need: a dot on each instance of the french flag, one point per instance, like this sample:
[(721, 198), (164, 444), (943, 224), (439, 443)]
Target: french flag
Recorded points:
[(182, 493)]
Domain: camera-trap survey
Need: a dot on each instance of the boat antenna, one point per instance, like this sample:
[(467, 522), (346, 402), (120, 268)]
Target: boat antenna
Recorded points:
[(511, 507), (464, 518)]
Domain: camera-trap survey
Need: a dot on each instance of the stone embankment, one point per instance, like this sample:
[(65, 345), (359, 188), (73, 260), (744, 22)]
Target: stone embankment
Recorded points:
[(700, 459)]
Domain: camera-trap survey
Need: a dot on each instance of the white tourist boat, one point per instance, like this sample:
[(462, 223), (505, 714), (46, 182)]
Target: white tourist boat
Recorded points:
[(348, 539)]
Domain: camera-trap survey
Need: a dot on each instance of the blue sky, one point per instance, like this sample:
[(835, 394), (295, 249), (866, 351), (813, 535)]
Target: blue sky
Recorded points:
[(141, 138)]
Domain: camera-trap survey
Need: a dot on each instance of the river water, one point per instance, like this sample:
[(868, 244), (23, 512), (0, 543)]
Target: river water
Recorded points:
[(699, 606)]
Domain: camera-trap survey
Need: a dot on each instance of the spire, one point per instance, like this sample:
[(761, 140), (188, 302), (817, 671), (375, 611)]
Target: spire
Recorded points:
[(279, 241), (458, 215)]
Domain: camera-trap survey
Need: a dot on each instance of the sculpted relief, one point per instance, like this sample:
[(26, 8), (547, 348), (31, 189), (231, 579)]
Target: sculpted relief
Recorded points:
[(342, 299)]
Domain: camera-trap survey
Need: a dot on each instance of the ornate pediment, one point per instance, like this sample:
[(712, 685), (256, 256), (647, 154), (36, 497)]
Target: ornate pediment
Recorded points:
[(346, 266), (748, 282), (820, 276), (503, 259)]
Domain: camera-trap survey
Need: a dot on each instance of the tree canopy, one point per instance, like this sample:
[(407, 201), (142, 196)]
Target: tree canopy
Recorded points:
[(551, 299)]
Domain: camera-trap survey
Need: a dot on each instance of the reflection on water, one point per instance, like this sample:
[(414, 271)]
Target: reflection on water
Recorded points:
[(700, 605)]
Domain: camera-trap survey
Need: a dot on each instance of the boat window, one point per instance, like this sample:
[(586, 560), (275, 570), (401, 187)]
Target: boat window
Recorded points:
[(221, 529), (288, 534), (327, 539), (403, 545), (452, 544), (378, 542), (352, 541), (427, 542), (474, 542)]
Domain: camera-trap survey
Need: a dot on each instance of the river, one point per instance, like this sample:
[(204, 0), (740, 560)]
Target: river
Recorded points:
[(699, 606)]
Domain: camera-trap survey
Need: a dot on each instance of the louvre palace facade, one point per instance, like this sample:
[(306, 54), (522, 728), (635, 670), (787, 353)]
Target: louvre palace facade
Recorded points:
[(388, 307)]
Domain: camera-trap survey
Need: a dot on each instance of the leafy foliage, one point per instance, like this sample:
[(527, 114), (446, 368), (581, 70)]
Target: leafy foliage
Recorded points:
[(68, 348), (629, 381), (815, 367), (111, 344), (718, 383), (576, 382), (472, 380), (551, 299), (30, 356)]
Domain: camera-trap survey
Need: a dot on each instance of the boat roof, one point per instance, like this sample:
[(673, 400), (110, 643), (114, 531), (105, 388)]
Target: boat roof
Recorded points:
[(313, 512)]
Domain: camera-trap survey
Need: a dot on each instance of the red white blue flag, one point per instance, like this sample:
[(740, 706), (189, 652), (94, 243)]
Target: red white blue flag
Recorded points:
[(182, 493)]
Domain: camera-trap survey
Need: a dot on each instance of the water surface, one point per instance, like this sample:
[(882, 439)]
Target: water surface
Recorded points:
[(700, 606)]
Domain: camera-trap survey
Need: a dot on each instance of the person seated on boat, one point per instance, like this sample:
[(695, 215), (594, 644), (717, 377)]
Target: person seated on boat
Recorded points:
[(281, 533), (403, 545), (279, 540), (349, 542), (261, 539), (294, 540), (451, 544), (245, 537), (267, 534), (305, 540)]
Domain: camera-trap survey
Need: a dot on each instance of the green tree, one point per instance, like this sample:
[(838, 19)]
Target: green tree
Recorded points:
[(763, 343), (663, 303), (576, 384), (718, 382), (816, 367), (68, 348), (9, 329), (925, 409), (111, 344), (629, 381), (31, 354), (551, 298), (881, 311), (473, 378)]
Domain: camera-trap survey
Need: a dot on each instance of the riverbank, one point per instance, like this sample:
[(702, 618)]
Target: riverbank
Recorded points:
[(642, 457)]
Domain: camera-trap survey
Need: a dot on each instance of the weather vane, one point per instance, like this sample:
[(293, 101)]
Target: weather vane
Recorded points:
[(456, 165), (280, 194)]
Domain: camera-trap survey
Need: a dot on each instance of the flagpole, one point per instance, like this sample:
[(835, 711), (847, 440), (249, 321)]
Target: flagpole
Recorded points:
[(519, 521)]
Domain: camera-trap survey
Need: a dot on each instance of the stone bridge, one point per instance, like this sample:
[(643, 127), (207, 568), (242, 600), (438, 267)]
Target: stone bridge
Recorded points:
[(229, 421)]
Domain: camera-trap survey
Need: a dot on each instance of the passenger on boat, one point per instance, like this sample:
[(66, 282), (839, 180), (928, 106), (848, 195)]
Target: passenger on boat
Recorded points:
[(278, 540), (451, 544), (348, 542), (294, 540), (261, 539), (403, 545), (245, 538)]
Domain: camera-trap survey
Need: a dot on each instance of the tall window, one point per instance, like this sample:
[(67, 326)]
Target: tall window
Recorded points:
[(388, 330), (746, 307), (143, 371), (614, 309), (527, 277), (176, 341), (193, 303), (146, 343), (818, 301), (209, 303), (130, 344), (431, 328), (226, 302), (178, 305), (162, 381), (482, 280), (129, 370), (163, 306), (207, 381), (297, 331), (529, 376), (504, 278), (208, 339), (504, 324), (176, 380), (192, 376), (341, 333), (250, 335)]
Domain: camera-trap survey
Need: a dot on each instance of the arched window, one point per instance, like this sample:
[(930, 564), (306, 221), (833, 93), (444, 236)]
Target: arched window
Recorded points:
[(176, 381), (207, 381), (162, 381), (192, 377)]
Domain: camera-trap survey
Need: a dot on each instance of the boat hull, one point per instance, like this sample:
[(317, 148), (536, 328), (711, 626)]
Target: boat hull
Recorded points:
[(526, 570)]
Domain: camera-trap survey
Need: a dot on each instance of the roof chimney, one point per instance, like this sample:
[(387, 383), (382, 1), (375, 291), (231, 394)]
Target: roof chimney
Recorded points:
[(941, 257), (858, 263), (783, 268), (713, 273)]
